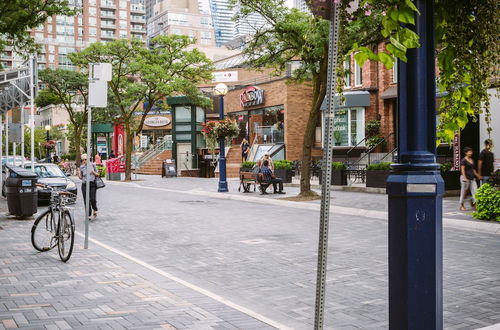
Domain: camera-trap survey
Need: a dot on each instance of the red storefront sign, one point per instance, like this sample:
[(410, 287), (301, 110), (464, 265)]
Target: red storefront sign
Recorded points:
[(251, 96)]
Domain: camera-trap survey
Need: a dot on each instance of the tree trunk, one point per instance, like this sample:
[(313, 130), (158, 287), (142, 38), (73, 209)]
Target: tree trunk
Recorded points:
[(129, 145), (319, 92)]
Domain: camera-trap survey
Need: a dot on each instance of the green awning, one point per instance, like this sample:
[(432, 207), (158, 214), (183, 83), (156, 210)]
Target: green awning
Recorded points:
[(102, 128), (352, 99)]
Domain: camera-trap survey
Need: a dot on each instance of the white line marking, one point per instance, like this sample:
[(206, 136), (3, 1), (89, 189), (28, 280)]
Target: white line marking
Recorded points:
[(191, 286)]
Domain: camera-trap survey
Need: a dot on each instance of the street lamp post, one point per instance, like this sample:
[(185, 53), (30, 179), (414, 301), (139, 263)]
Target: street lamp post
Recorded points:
[(415, 190), (47, 137), (221, 90)]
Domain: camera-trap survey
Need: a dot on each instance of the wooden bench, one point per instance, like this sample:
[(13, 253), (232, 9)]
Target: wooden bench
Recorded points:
[(247, 179)]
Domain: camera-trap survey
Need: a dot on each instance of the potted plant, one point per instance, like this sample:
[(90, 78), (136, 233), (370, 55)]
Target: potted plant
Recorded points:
[(337, 136), (339, 174), (376, 174), (247, 166), (283, 170), (451, 178)]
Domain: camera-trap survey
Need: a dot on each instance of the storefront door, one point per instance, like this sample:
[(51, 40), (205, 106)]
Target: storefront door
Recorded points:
[(184, 156)]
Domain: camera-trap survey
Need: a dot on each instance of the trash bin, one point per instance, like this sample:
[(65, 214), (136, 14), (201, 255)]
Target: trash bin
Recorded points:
[(21, 192)]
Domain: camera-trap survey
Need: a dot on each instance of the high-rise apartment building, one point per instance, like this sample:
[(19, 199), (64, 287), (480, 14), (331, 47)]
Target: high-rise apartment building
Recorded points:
[(98, 20), (301, 5)]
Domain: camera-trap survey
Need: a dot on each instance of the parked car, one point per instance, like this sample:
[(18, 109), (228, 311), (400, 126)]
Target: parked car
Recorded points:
[(49, 174), (18, 160)]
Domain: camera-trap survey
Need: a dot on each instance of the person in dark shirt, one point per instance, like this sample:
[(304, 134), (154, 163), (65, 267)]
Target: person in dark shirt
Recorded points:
[(486, 161), (268, 176), (468, 177)]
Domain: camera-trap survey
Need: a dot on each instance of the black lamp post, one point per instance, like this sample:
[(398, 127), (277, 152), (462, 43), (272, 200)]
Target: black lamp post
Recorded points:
[(221, 91), (47, 137)]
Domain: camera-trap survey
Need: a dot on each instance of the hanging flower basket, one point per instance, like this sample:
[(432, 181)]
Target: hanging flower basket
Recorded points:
[(215, 130), (49, 145)]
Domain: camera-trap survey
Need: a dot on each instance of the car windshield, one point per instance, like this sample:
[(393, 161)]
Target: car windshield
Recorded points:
[(47, 171)]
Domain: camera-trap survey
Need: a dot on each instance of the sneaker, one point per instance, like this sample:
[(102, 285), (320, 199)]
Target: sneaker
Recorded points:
[(281, 192)]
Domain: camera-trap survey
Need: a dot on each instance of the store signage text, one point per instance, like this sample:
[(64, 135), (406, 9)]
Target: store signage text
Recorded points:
[(251, 96), (156, 121), (226, 76)]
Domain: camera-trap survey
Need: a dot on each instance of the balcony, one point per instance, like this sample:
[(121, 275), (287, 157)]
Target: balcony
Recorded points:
[(108, 26), (137, 19), (108, 4), (108, 14), (108, 36), (137, 9), (138, 29)]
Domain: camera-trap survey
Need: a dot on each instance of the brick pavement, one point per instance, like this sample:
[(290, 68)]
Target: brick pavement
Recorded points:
[(96, 290)]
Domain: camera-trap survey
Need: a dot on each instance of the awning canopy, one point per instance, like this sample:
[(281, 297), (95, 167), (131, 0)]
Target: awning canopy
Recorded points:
[(352, 99), (390, 93)]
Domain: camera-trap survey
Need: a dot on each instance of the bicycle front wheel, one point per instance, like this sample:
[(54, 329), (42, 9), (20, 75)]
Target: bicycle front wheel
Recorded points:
[(43, 232), (66, 236)]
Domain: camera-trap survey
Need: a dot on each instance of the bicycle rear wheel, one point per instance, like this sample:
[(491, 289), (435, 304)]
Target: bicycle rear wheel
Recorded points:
[(43, 232), (66, 235)]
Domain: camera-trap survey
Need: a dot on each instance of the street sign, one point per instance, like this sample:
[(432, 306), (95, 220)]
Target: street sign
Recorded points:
[(98, 94), (15, 132)]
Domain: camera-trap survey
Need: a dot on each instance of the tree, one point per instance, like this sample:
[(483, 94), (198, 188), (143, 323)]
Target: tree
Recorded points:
[(292, 35), (142, 75), (17, 17), (69, 88)]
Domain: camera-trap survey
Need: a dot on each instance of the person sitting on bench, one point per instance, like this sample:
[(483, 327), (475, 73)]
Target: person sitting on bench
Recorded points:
[(257, 166), (268, 176)]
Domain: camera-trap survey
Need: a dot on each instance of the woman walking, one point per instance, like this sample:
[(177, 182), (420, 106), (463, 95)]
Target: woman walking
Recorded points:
[(245, 146), (92, 175), (468, 177)]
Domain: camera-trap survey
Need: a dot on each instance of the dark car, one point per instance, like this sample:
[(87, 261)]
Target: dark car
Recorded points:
[(51, 175)]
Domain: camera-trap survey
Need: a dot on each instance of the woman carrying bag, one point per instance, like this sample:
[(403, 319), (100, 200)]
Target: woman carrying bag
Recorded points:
[(93, 174)]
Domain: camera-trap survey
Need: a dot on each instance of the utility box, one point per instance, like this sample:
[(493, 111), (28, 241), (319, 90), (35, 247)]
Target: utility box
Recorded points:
[(21, 191)]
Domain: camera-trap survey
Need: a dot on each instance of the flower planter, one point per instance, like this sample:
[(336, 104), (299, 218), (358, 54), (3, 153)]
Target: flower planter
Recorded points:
[(339, 178), (285, 174), (451, 180), (245, 169), (376, 179)]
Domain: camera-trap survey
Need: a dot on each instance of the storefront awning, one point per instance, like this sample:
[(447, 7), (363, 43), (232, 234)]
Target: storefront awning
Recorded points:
[(352, 99), (390, 93)]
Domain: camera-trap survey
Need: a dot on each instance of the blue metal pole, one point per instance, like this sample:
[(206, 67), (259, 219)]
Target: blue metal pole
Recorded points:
[(222, 153), (415, 190)]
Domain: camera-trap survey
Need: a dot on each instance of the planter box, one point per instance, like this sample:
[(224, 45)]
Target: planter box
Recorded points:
[(245, 169), (114, 176), (376, 179), (451, 180), (286, 175), (339, 178)]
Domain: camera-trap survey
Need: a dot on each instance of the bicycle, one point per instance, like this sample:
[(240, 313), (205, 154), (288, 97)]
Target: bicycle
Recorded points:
[(55, 226)]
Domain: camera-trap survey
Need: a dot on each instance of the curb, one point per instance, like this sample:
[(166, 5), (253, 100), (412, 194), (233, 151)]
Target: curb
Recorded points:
[(472, 225), (373, 190)]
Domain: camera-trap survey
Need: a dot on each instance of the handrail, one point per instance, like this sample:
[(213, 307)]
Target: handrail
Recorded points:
[(367, 153), (357, 144), (153, 152)]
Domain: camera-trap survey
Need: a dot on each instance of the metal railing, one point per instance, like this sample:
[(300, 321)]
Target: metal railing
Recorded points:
[(149, 154)]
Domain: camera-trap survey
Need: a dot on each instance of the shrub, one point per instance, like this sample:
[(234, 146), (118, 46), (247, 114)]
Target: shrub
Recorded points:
[(382, 166), (69, 156), (247, 164), (338, 166), (283, 164), (494, 179), (101, 169), (446, 167), (372, 127), (487, 203)]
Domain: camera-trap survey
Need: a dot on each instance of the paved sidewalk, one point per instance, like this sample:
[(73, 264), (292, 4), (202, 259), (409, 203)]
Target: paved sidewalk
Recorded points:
[(97, 289)]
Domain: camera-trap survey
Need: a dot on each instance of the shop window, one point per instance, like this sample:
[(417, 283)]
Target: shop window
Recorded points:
[(183, 128), (200, 115), (182, 114), (185, 137), (358, 74), (349, 126)]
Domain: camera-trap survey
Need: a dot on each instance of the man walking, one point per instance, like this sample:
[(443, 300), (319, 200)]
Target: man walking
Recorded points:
[(269, 176), (485, 163)]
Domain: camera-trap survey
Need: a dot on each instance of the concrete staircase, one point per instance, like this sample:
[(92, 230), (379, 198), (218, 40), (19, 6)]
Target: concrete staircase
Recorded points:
[(153, 166), (233, 162)]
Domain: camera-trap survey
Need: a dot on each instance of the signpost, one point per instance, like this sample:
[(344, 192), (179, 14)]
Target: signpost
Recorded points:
[(99, 75)]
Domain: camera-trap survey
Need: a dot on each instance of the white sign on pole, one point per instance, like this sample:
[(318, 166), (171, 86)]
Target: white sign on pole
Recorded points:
[(102, 71), (225, 76), (98, 93)]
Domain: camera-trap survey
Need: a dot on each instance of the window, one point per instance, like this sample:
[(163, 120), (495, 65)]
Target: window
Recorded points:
[(123, 14), (92, 31), (123, 35), (205, 21), (49, 28), (358, 74), (182, 114), (123, 4), (92, 2), (123, 24), (92, 21), (206, 37), (347, 69), (349, 126), (51, 49), (176, 31), (395, 71), (92, 11)]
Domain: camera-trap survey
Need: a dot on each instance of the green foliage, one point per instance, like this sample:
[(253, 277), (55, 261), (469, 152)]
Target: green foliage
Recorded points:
[(494, 179), (382, 166), (283, 164), (18, 17), (69, 156), (101, 169), (248, 164), (46, 97), (372, 127), (487, 203), (338, 166), (445, 167)]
